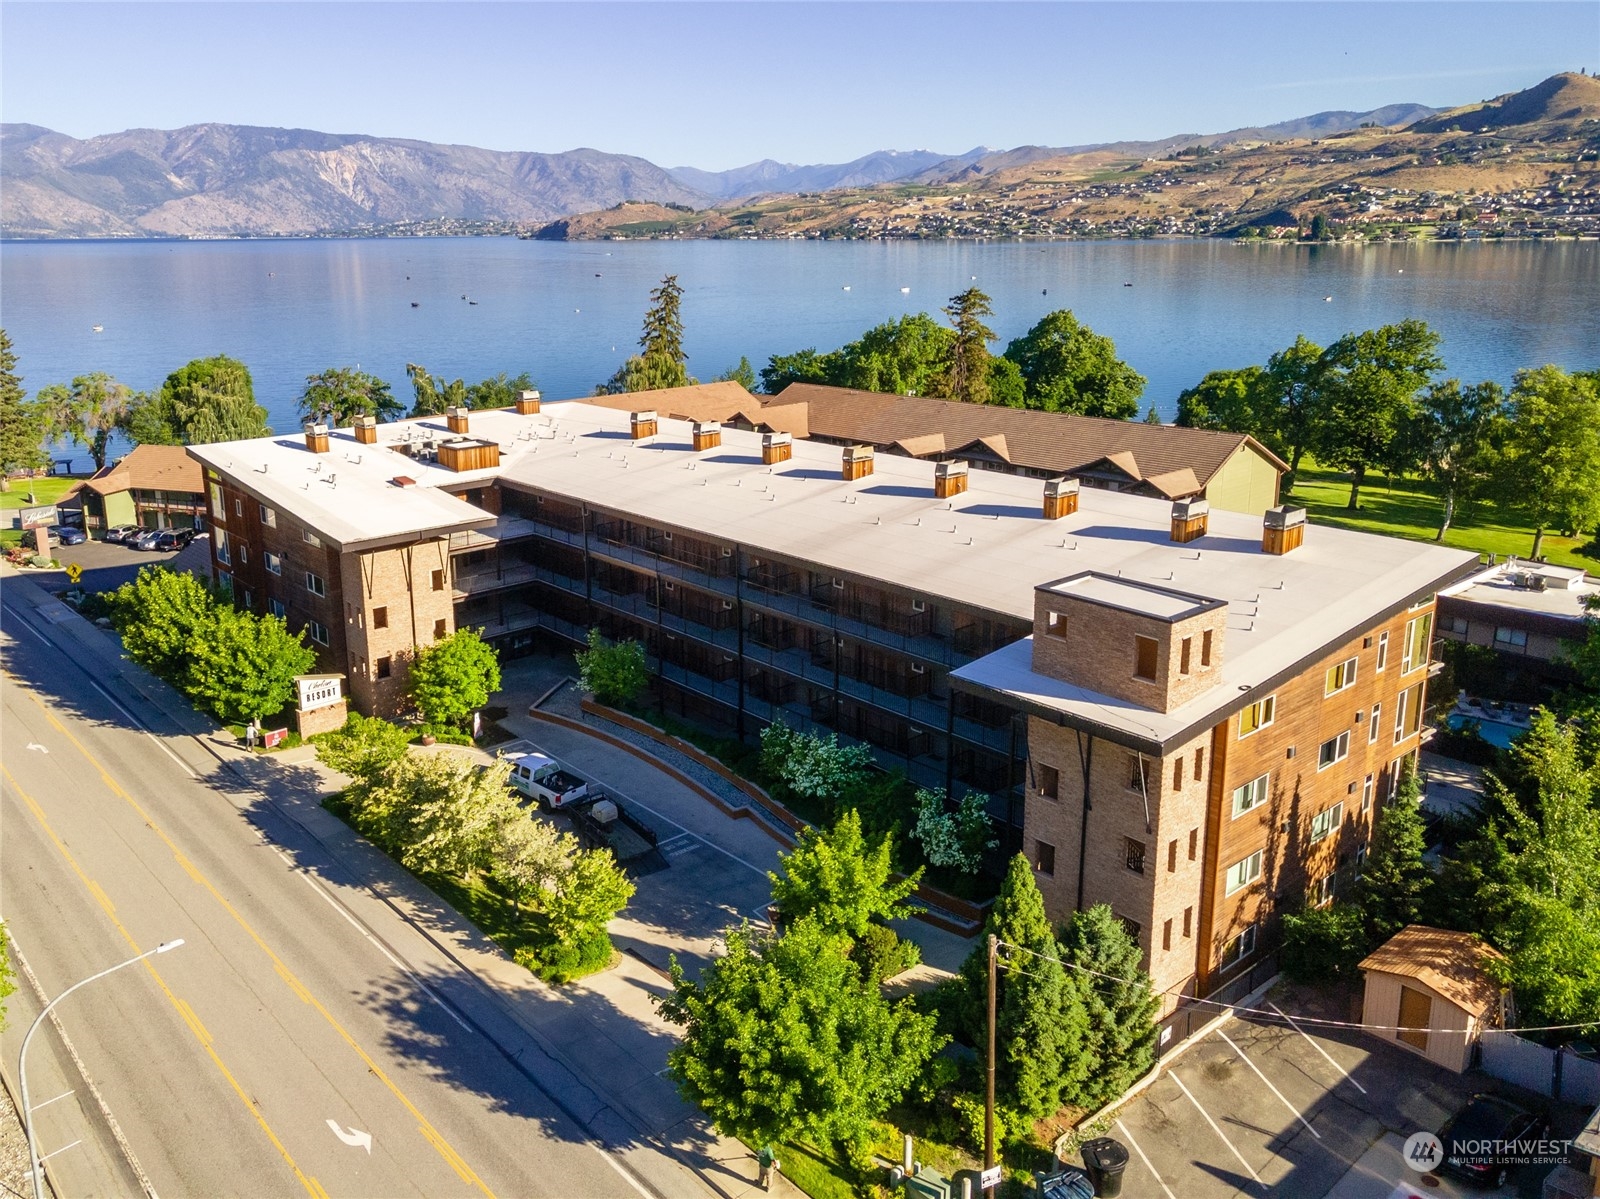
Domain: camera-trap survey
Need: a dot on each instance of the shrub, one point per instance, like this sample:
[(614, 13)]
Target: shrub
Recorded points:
[(1323, 944), (564, 961), (614, 673), (954, 839), (882, 953)]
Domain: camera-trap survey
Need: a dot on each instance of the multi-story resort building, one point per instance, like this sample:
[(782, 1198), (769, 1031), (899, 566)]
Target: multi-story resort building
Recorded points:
[(1188, 713)]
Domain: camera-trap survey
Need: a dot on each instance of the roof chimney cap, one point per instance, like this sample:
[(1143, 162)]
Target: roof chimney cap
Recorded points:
[(528, 393), (1284, 516), (772, 439), (1190, 509), (944, 470), (460, 411), (316, 428), (364, 422), (1056, 488), (707, 426), (642, 417)]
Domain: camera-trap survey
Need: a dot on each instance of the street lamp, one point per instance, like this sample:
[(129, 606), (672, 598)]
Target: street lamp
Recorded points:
[(35, 1166)]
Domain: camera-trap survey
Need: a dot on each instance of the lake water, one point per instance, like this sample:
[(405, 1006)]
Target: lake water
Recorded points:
[(570, 312)]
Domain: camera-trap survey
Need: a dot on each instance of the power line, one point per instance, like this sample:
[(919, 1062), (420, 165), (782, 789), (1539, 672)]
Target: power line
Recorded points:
[(1274, 1017)]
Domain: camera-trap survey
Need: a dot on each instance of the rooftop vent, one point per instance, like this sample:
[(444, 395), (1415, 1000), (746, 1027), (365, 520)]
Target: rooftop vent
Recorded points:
[(403, 481), (949, 479), (776, 447), (456, 419), (1283, 529), (857, 462), (1189, 519), (317, 438), (527, 403), (707, 435), (366, 428), (1060, 498), (642, 425)]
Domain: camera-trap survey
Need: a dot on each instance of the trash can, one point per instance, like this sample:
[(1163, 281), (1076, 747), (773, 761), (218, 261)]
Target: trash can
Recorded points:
[(1105, 1160)]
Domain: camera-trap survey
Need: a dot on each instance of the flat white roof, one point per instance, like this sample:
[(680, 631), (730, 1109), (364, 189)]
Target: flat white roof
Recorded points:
[(1132, 596), (988, 548), (1559, 598)]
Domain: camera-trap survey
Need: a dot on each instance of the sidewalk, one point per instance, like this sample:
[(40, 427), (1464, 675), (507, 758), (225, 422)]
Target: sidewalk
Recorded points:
[(612, 1087)]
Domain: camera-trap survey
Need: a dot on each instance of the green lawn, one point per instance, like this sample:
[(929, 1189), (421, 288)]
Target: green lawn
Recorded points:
[(46, 490), (1412, 509)]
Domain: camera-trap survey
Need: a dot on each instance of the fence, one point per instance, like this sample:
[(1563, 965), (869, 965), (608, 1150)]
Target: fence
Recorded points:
[(1183, 1023), (1554, 1073)]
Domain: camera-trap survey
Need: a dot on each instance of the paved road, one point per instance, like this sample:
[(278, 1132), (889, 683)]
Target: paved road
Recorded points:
[(288, 1025)]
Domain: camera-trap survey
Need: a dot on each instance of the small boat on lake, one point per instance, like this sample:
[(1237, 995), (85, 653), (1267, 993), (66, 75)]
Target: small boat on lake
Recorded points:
[(98, 329)]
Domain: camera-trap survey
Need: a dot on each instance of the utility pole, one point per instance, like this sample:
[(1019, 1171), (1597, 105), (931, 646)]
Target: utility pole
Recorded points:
[(988, 1095)]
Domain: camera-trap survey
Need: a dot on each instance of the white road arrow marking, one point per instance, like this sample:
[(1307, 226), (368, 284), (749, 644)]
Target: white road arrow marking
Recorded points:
[(44, 749), (353, 1137)]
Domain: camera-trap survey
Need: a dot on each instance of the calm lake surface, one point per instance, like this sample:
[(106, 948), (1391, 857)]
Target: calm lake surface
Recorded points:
[(570, 312)]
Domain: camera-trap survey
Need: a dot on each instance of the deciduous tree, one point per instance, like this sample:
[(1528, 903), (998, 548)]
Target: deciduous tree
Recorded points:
[(340, 394), (1550, 470), (499, 391), (835, 878), (1368, 384), (363, 747), (206, 400), (433, 396), (529, 857), (1068, 367), (1458, 433), (1294, 387), (612, 672), (244, 666), (88, 411), (1238, 401), (584, 897), (438, 813), (1119, 1005), (813, 767), (782, 1039), (453, 677), (161, 615)]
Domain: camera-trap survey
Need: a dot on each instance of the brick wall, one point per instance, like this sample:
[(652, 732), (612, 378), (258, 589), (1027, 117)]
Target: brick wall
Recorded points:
[(395, 601)]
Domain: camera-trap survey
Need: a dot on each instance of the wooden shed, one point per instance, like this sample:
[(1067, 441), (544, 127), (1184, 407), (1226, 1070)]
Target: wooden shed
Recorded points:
[(1427, 992)]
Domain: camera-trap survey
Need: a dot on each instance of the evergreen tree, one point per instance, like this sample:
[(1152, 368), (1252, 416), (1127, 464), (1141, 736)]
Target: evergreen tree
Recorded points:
[(21, 425), (1395, 881), (661, 362), (743, 374), (1120, 1042), (964, 374), (1041, 1026)]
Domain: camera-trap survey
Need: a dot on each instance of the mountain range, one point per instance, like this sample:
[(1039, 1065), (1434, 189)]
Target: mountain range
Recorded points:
[(216, 180)]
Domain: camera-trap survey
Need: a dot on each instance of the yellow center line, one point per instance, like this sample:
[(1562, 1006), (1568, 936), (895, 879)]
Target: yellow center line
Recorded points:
[(312, 1186), (432, 1135)]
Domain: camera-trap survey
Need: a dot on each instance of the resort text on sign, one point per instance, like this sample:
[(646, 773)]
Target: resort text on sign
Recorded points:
[(318, 693)]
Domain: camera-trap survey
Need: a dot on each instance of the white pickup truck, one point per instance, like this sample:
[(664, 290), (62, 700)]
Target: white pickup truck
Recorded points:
[(540, 777)]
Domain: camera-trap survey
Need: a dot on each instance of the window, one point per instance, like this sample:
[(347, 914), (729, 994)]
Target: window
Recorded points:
[(1166, 934), (1326, 821), (1252, 795), (1320, 893), (1242, 873), (1144, 658), (310, 538), (1414, 652), (1188, 921), (1258, 715), (319, 633), (438, 580), (1138, 773), (1407, 713), (223, 546), (314, 583), (274, 563), (1172, 856), (1055, 624), (1047, 779), (1335, 749), (385, 666), (1240, 947), (275, 606), (1373, 725), (1339, 677), (1366, 794), (238, 507), (1383, 653), (250, 599), (1044, 857), (1133, 854), (1205, 648), (1199, 764), (268, 516), (1361, 859), (380, 618), (1194, 843), (1184, 648), (244, 552), (219, 506), (1177, 774), (440, 629), (1511, 638)]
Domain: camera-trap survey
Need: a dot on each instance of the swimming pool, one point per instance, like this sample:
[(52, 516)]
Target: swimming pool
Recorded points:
[(1495, 732)]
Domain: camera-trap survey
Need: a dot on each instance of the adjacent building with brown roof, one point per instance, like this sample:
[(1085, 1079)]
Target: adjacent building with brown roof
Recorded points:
[(157, 486)]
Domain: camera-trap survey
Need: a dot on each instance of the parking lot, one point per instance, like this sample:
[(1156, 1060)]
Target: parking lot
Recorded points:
[(106, 567), (1265, 1105)]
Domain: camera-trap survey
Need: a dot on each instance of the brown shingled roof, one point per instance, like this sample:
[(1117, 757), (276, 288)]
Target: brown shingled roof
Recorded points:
[(149, 468), (726, 401), (1049, 441), (1448, 962)]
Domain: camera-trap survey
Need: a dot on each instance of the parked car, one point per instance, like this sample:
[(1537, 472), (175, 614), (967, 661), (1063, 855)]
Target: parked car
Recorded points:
[(67, 535), (145, 540), (540, 777), (170, 541), (121, 533), (1479, 1142)]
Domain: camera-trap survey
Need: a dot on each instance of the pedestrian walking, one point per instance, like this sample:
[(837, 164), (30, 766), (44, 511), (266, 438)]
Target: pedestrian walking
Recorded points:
[(767, 1159), (250, 736)]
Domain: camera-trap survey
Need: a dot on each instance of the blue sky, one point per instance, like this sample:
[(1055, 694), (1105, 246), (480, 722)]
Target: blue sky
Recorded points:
[(718, 85)]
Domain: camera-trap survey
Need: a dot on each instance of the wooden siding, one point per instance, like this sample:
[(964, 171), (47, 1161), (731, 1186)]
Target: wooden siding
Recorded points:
[(1451, 1032)]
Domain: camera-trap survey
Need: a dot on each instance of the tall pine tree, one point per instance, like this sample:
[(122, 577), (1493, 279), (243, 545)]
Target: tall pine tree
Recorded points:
[(661, 362), (965, 374), (1041, 1026), (1121, 1040), (1395, 880), (21, 426)]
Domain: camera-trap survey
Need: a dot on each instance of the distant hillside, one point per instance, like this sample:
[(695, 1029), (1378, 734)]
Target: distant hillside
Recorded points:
[(1562, 103), (881, 166), (234, 180)]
